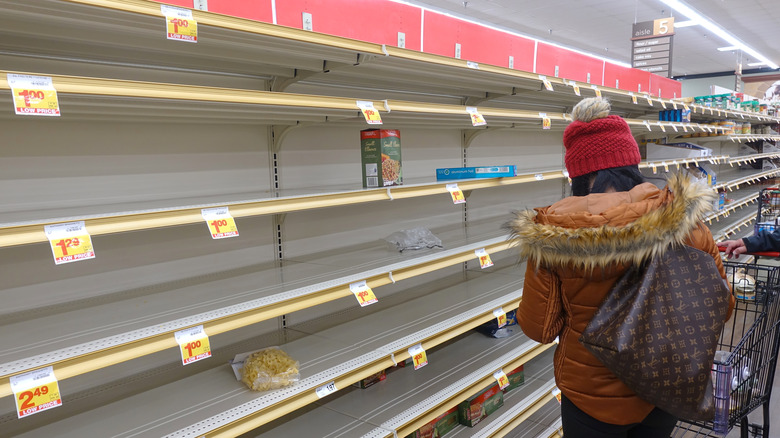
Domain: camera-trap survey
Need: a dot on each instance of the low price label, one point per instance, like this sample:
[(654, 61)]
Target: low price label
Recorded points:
[(649, 99), (546, 122), (476, 117), (456, 193), (501, 379), (326, 389), (596, 88), (70, 242), (363, 293), (484, 258), (419, 358), (194, 344), (221, 224), (179, 24), (369, 112), (35, 391), (546, 82), (500, 317), (557, 394), (33, 95), (633, 97), (575, 87)]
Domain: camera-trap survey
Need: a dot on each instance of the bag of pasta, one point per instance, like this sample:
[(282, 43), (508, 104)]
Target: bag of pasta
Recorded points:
[(266, 369)]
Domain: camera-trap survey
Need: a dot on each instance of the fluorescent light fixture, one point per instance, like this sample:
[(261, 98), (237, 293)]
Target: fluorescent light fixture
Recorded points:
[(691, 14), (688, 23), (727, 49), (756, 64)]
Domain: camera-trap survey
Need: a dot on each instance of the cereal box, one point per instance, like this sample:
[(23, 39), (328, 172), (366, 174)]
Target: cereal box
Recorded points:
[(381, 157), (516, 378), (472, 410)]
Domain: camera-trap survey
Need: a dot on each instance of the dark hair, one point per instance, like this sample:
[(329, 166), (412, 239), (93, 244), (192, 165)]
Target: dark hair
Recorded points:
[(621, 179)]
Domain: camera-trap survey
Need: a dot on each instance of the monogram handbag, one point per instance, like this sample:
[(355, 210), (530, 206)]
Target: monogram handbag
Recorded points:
[(657, 330)]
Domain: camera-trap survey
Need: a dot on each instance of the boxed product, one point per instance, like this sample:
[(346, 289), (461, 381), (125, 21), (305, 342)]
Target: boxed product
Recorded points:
[(371, 380), (475, 172), (491, 327), (472, 410), (704, 173), (439, 426), (676, 150), (516, 378), (380, 157)]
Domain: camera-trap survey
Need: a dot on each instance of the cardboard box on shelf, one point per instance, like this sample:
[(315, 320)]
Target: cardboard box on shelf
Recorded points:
[(516, 378), (380, 157), (439, 426), (472, 410), (673, 151), (492, 329), (475, 172), (371, 380)]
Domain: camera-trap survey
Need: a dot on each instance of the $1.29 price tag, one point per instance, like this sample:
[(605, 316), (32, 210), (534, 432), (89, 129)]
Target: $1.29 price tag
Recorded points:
[(456, 193), (179, 24), (70, 242), (363, 293), (35, 391), (476, 117), (221, 223), (33, 95), (419, 358), (501, 379), (500, 317), (484, 258), (369, 112), (194, 344)]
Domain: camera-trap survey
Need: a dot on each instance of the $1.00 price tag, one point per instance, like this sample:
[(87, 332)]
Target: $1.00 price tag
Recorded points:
[(221, 224), (456, 193), (596, 88), (369, 112), (547, 83), (500, 317), (70, 242), (179, 24), (476, 117), (546, 122), (194, 343), (33, 95), (501, 379), (419, 358), (484, 258), (35, 391), (557, 394), (326, 389), (363, 293)]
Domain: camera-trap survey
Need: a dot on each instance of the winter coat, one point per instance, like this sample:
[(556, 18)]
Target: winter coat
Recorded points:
[(763, 241), (578, 248)]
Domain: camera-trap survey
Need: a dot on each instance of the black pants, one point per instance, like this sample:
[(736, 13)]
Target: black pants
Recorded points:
[(576, 424)]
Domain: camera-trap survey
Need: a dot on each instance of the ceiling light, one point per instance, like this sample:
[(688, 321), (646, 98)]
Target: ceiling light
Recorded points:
[(727, 49), (756, 64), (691, 14), (688, 23)]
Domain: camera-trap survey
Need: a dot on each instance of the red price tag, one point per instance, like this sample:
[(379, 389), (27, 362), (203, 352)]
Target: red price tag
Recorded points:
[(33, 95), (70, 242), (419, 358), (194, 344), (35, 391)]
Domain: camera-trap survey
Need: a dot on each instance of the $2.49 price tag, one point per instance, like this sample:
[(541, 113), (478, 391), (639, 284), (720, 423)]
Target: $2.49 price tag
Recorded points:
[(35, 391), (221, 224), (419, 358), (179, 24), (484, 258), (456, 193), (363, 293), (501, 379), (70, 242), (369, 112), (33, 95), (194, 344)]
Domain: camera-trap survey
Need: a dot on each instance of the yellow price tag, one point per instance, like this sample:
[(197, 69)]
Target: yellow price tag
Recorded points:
[(546, 82), (179, 24), (649, 100), (70, 242), (546, 122), (363, 293), (419, 358), (33, 95), (663, 128), (484, 258), (663, 104), (456, 193), (35, 392), (674, 104), (576, 88), (633, 98), (194, 344), (221, 224), (501, 379), (500, 317), (596, 88), (476, 117), (369, 112), (557, 394)]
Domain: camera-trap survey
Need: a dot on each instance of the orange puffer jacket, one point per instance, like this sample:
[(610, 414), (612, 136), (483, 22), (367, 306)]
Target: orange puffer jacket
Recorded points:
[(578, 248)]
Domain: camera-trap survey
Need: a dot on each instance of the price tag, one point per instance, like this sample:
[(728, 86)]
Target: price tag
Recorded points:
[(327, 389), (70, 242), (221, 224), (596, 88), (674, 104), (666, 166), (418, 355), (685, 127), (456, 193), (649, 99), (501, 378), (647, 125), (663, 104), (686, 108), (363, 293), (546, 122), (674, 126), (633, 98), (557, 394), (369, 112), (575, 87), (476, 117), (472, 64), (484, 258), (179, 24), (35, 391), (741, 115), (547, 83), (655, 169), (540, 176), (194, 344), (660, 125), (33, 95), (500, 317)]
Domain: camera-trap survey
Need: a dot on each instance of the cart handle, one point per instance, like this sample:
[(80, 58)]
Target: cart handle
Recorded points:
[(775, 254)]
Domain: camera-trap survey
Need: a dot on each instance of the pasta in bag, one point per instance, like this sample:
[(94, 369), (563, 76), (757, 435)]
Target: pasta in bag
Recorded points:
[(266, 369)]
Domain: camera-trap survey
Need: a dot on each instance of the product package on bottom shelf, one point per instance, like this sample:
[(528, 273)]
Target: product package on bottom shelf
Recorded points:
[(516, 378), (475, 408), (492, 329), (439, 426)]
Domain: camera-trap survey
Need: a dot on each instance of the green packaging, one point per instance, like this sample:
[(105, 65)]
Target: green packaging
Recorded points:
[(380, 157), (472, 410)]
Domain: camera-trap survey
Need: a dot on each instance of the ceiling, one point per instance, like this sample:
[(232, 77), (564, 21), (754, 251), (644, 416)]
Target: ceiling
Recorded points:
[(603, 27)]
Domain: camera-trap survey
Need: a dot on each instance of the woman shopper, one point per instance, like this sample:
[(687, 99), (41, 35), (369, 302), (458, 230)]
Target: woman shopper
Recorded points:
[(580, 246)]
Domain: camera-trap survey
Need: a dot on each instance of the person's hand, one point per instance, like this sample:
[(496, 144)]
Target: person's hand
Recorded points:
[(733, 248)]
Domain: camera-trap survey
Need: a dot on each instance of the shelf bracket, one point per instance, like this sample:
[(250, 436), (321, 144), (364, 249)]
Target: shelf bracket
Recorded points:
[(474, 101), (280, 84), (470, 134), (279, 133)]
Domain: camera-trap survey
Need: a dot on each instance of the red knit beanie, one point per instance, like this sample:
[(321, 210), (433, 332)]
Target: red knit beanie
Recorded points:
[(594, 143)]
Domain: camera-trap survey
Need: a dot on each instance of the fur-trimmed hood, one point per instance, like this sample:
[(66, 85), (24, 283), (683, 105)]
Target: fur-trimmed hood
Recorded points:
[(573, 239)]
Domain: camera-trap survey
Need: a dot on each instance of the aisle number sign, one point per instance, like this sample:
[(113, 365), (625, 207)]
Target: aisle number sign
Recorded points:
[(221, 224), (194, 344), (35, 391), (70, 242), (363, 293), (484, 258), (501, 379), (33, 95), (419, 358), (179, 24), (500, 317), (476, 117), (456, 193), (369, 112)]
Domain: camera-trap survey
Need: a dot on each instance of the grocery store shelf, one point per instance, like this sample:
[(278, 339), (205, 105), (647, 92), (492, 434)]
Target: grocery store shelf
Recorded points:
[(734, 178), (713, 113), (744, 138), (739, 221), (752, 157), (665, 165), (514, 415), (731, 208), (644, 125)]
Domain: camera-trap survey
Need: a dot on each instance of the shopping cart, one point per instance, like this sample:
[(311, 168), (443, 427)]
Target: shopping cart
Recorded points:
[(746, 360), (768, 214)]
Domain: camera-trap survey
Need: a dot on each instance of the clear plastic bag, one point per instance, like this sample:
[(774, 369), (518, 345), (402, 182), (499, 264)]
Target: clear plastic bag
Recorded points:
[(266, 369), (415, 238)]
